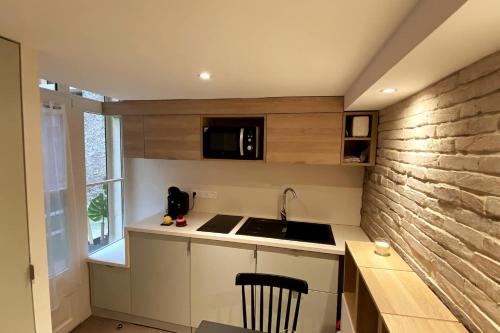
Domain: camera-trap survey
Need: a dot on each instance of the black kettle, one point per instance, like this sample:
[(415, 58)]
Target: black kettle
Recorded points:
[(178, 202)]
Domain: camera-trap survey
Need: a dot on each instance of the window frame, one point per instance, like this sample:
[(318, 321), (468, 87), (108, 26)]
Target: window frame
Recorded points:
[(110, 161)]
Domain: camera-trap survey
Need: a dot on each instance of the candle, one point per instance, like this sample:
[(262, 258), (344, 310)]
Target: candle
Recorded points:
[(382, 246)]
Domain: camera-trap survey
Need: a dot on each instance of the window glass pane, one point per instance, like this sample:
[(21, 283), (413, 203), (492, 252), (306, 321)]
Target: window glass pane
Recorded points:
[(57, 239), (86, 94), (95, 147), (75, 91), (104, 214), (98, 217), (47, 84)]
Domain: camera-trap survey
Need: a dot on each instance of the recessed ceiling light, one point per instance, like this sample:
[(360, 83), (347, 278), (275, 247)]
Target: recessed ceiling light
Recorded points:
[(388, 90), (205, 76)]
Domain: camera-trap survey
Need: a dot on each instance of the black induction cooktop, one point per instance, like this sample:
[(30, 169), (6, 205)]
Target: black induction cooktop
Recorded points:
[(222, 224)]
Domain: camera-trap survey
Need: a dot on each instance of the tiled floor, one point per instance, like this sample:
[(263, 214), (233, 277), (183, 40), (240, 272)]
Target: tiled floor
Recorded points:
[(102, 325)]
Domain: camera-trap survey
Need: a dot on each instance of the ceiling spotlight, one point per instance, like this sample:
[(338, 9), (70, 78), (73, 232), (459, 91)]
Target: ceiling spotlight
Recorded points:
[(205, 76), (388, 90)]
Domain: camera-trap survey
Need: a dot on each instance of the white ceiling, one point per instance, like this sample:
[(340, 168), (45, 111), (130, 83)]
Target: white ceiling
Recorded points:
[(468, 35), (155, 49)]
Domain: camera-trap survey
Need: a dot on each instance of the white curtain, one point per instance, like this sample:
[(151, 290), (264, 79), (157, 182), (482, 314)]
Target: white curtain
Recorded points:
[(60, 218)]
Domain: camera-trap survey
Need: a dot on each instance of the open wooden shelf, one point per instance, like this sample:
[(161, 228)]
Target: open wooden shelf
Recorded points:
[(357, 146), (384, 295)]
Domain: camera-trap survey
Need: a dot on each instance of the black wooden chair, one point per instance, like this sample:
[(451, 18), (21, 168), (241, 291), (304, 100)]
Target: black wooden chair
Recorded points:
[(272, 281)]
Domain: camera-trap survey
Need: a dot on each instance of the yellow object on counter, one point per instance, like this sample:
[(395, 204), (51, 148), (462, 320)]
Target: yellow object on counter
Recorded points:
[(167, 220)]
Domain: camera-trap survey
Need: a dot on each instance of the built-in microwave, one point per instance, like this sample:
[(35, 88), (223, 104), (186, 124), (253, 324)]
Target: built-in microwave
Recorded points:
[(232, 142)]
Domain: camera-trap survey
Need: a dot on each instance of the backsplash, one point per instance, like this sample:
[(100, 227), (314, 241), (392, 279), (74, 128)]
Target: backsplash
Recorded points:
[(330, 194)]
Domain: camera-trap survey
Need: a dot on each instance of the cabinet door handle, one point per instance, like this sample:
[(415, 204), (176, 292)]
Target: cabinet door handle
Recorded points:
[(189, 246), (255, 254)]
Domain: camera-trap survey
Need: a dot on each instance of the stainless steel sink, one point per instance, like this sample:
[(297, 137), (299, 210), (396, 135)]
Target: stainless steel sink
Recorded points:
[(291, 230)]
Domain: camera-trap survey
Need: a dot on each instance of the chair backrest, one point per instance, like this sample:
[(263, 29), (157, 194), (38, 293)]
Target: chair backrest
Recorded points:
[(271, 281)]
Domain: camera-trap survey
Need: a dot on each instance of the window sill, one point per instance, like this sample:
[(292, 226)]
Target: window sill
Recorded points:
[(111, 255)]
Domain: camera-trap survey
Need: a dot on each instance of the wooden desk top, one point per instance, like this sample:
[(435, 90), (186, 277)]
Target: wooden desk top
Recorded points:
[(404, 293), (395, 323), (364, 256)]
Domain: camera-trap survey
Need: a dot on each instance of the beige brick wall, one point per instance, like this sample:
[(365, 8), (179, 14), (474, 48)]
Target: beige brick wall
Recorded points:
[(435, 189)]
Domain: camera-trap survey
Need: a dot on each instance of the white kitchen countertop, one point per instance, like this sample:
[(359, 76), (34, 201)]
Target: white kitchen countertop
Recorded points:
[(116, 254)]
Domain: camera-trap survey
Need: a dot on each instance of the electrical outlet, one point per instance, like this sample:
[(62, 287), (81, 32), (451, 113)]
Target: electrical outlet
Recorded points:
[(206, 194)]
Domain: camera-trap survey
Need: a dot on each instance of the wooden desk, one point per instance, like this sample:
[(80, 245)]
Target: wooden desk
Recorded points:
[(404, 293), (211, 327), (395, 323), (384, 295)]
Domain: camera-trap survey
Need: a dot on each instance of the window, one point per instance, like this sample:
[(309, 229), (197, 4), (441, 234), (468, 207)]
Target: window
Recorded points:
[(104, 182), (56, 188), (46, 84), (86, 94)]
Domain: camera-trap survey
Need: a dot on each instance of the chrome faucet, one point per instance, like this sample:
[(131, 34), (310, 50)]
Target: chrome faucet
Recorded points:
[(283, 203)]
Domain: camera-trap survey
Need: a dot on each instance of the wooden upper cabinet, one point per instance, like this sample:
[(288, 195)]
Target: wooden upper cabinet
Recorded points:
[(172, 137), (133, 136), (304, 138)]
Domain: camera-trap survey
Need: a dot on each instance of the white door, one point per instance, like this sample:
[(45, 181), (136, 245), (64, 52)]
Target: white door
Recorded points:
[(159, 277), (214, 266), (16, 301)]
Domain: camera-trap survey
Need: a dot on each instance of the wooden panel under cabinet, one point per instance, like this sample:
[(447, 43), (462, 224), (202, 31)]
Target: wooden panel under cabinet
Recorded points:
[(173, 137), (133, 136), (304, 138)]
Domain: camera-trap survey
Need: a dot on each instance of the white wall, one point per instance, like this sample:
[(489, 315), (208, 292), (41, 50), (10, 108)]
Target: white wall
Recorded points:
[(325, 193)]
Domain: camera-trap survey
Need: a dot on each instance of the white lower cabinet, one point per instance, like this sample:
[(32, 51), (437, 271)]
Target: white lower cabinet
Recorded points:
[(159, 277), (182, 282), (214, 266), (318, 313), (318, 309), (110, 287)]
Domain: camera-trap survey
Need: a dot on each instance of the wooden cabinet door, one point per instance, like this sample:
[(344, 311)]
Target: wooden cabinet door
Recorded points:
[(159, 277), (173, 137), (133, 136), (304, 138), (110, 287), (214, 266)]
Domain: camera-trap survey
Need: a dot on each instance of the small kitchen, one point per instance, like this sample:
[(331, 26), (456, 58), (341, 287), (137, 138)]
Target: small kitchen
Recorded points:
[(233, 199), (309, 166)]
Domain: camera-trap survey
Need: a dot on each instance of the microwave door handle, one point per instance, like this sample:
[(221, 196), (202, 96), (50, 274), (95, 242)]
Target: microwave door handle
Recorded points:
[(257, 143), (242, 130)]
